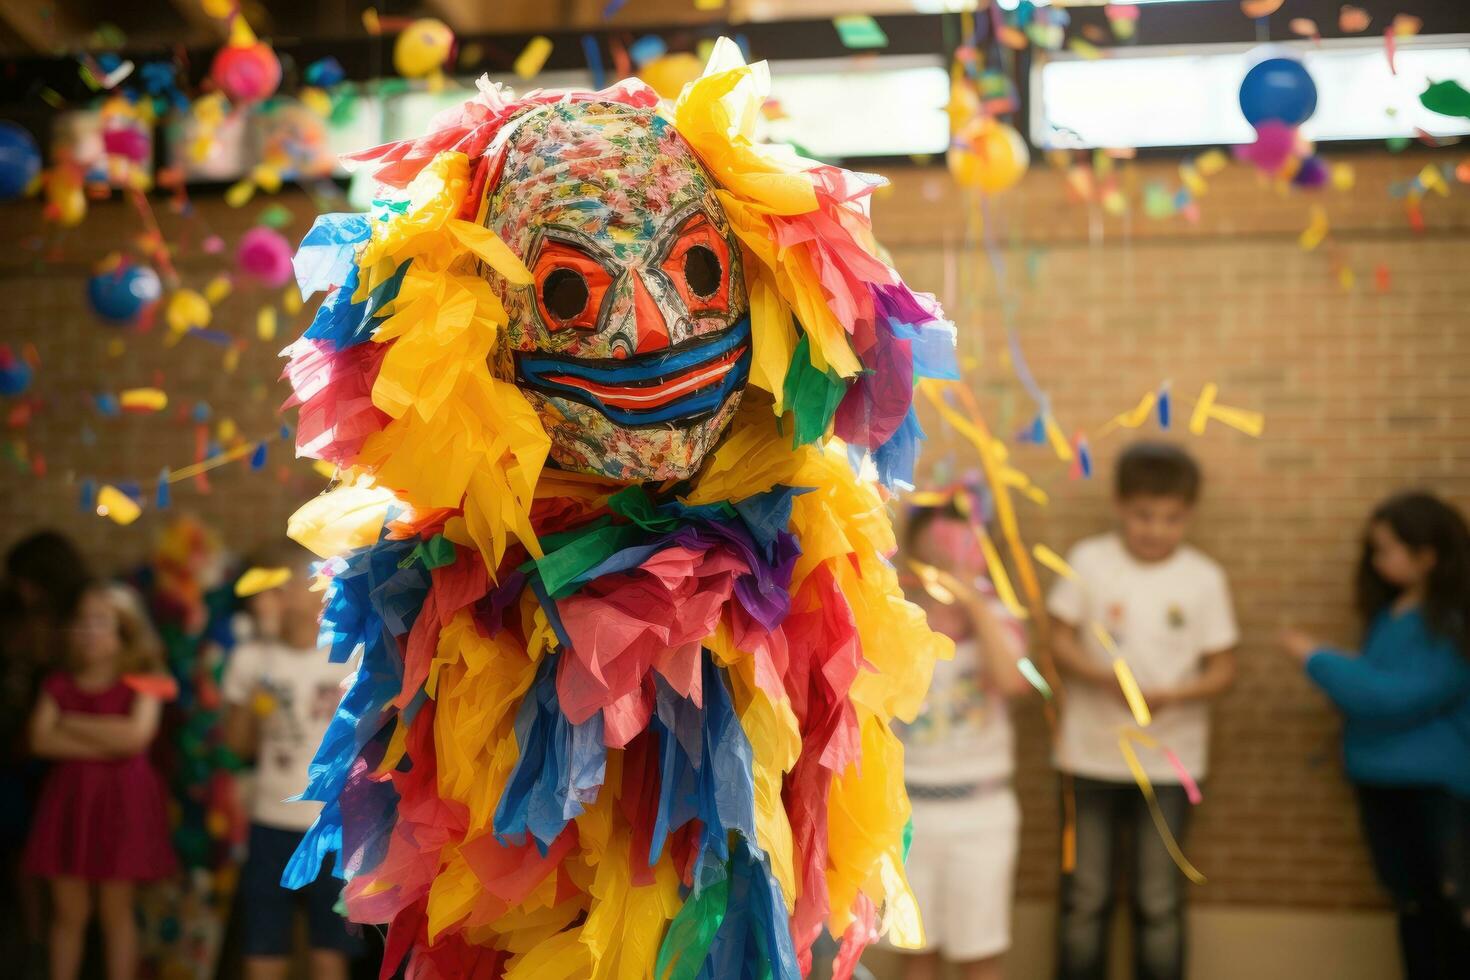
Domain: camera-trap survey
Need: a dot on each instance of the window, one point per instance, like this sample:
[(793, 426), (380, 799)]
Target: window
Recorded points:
[(853, 107), (1187, 96)]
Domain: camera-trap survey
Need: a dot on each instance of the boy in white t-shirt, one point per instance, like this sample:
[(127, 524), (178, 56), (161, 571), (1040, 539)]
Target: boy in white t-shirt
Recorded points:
[(1167, 607), (959, 755), (280, 693)]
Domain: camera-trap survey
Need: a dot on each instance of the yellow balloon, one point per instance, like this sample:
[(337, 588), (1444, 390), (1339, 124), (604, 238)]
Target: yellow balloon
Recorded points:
[(187, 310), (423, 48), (989, 155), (668, 74)]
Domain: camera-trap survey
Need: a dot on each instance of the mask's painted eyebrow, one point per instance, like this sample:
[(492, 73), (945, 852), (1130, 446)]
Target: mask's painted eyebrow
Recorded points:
[(581, 241), (675, 228)]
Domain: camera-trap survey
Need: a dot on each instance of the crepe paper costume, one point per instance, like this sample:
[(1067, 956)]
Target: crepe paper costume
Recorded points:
[(600, 376)]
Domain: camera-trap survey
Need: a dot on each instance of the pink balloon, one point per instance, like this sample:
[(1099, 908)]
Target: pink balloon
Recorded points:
[(265, 256), (1273, 146)]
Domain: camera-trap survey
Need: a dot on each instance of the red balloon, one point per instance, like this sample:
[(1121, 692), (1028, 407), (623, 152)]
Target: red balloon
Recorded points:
[(246, 73)]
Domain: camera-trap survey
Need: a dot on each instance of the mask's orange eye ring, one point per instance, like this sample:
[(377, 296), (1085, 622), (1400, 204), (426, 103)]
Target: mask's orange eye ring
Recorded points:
[(564, 294), (570, 287), (698, 265), (702, 271)]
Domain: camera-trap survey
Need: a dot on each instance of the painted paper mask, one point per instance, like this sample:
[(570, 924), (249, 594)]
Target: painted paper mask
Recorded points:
[(633, 341)]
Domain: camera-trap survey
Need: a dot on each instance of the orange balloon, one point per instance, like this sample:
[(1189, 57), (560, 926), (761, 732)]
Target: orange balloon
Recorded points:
[(989, 155), (668, 74)]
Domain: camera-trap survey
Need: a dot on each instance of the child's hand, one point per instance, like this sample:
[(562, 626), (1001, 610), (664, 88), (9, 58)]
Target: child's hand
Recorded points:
[(1297, 644), (1158, 698)]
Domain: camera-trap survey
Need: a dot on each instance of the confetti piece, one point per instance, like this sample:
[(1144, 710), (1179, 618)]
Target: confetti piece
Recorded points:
[(1211, 162), (708, 4), (1260, 8), (1163, 406), (593, 54), (257, 580), (1406, 25), (1135, 416), (239, 193), (1316, 231), (117, 506), (163, 496), (647, 48), (1353, 20), (1160, 824), (532, 59), (1053, 561), (263, 704), (859, 32), (1083, 49), (1206, 408), (1134, 696), (1343, 176), (1448, 98), (1382, 279), (1033, 677), (265, 323), (1346, 278), (929, 578), (1084, 458), (143, 400), (1305, 27), (218, 289)]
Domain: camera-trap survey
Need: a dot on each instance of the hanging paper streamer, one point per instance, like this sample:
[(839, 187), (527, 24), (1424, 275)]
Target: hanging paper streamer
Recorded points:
[(529, 62), (1205, 409), (117, 506), (1033, 677), (1163, 406), (1126, 681), (1145, 786), (142, 400)]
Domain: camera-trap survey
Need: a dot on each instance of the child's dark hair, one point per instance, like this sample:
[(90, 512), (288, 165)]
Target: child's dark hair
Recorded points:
[(1421, 520), (1157, 469), (52, 565), (920, 518)]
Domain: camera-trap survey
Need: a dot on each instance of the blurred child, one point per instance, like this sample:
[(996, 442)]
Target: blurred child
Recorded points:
[(100, 825), (281, 693), (1405, 701), (1167, 607), (959, 756)]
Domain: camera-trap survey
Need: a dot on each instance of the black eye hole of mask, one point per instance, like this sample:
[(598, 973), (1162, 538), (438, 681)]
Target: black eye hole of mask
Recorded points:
[(564, 293), (702, 271)]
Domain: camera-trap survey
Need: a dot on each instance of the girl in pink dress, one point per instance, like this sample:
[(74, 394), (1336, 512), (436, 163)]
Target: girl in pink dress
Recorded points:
[(100, 825)]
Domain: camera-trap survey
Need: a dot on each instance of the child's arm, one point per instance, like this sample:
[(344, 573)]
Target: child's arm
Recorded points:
[(1214, 679), (47, 739), (1439, 678), (116, 735), (240, 730), (1000, 648), (1066, 647)]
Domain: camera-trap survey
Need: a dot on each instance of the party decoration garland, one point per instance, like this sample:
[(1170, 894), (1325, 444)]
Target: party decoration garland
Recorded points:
[(606, 724)]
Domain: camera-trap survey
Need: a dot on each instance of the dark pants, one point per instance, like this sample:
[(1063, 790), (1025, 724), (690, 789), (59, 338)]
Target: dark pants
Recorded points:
[(1412, 834), (1116, 836), (270, 907)]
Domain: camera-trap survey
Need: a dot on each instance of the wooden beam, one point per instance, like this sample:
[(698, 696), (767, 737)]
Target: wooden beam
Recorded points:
[(201, 24), (48, 29)]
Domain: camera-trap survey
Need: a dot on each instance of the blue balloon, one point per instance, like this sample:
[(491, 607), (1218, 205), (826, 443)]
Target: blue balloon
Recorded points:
[(119, 296), (20, 160), (1278, 90)]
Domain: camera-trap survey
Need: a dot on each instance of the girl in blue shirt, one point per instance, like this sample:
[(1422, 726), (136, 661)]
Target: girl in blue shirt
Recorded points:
[(1405, 701)]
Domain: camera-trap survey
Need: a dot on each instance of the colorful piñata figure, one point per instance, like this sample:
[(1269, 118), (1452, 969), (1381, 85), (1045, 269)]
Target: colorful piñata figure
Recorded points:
[(600, 377)]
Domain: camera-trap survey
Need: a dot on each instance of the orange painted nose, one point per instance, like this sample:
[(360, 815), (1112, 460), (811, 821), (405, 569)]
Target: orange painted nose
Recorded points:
[(652, 329)]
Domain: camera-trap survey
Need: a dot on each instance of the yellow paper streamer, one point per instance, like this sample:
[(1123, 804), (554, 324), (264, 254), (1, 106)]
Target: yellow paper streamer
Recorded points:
[(1146, 787), (1205, 408), (1316, 231), (529, 62), (1053, 561), (1136, 703)]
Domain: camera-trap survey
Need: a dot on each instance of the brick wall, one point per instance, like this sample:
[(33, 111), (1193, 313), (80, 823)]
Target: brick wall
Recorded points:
[(1363, 392)]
